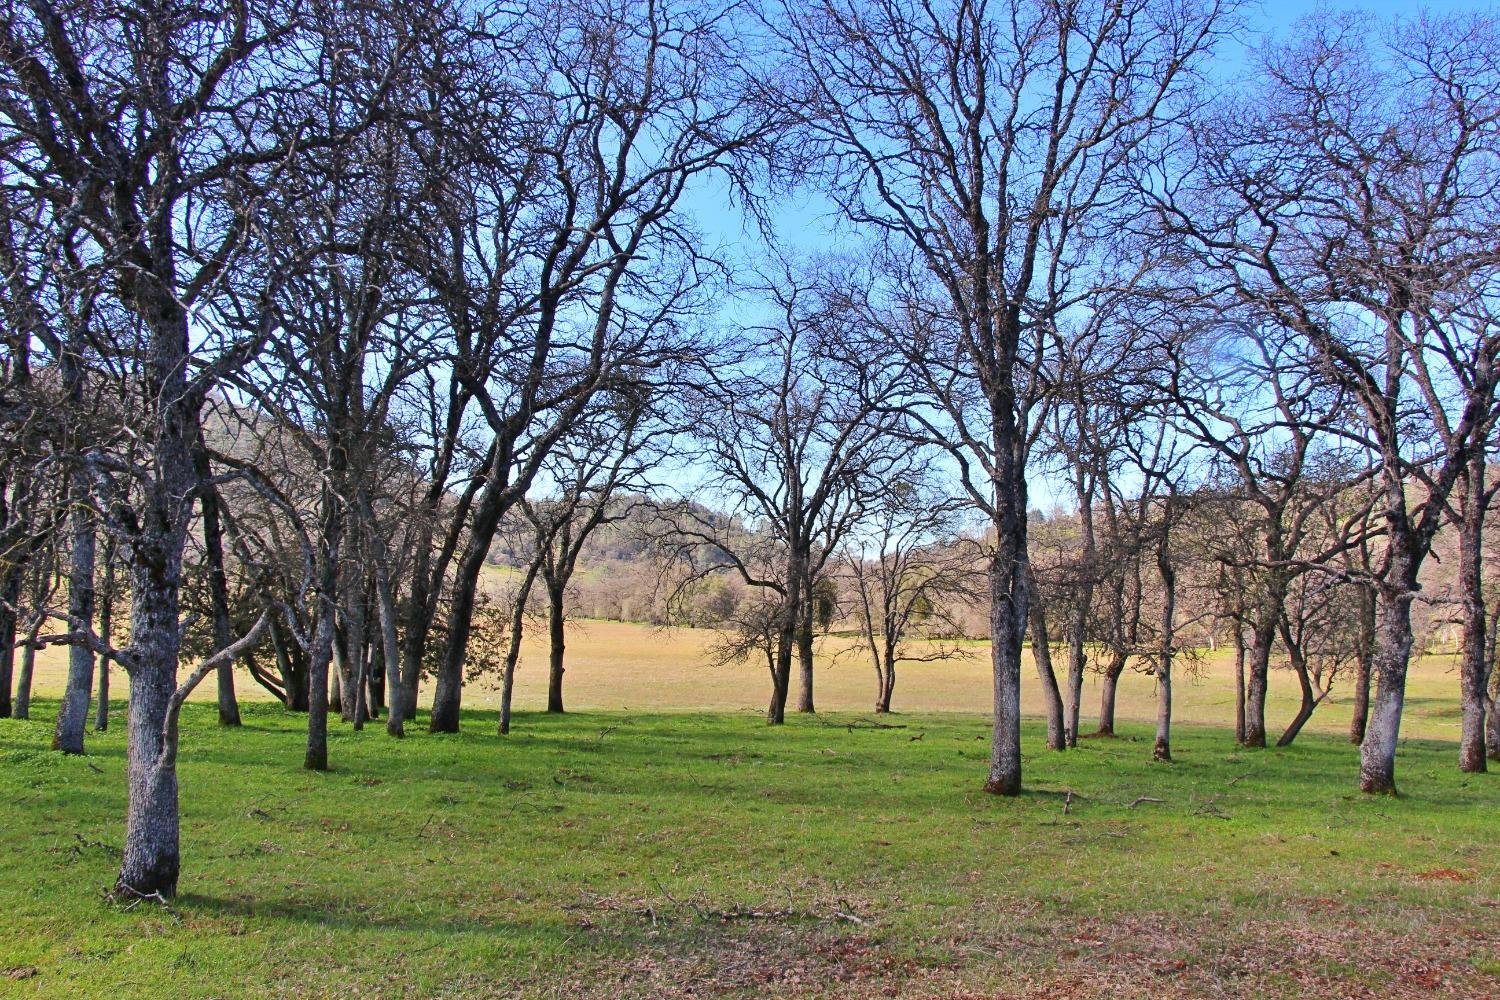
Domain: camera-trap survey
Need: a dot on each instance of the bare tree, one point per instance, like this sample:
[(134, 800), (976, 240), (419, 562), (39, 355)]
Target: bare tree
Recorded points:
[(984, 145), (910, 569), (1352, 201)]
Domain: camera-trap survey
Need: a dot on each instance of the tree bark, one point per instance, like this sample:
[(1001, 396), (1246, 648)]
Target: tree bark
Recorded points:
[(1239, 685), (218, 584), (106, 600), (1473, 667), (73, 713), (1262, 637), (1393, 641), (28, 666), (1162, 750), (1107, 689), (557, 645), (1360, 714), (1041, 652), (1008, 613), (805, 649)]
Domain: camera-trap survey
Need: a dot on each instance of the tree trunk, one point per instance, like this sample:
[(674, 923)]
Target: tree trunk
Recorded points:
[(1310, 700), (1360, 715), (1107, 689), (106, 631), (805, 649), (557, 645), (1008, 614), (1239, 685), (218, 583), (292, 664), (1472, 667), (73, 713), (1262, 637), (447, 695), (151, 859), (321, 654), (1393, 641), (513, 647), (10, 597), (1077, 664), (887, 685), (1162, 750), (1041, 653), (28, 666)]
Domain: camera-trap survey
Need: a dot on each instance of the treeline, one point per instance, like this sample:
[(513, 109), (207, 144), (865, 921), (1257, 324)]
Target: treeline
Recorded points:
[(314, 310)]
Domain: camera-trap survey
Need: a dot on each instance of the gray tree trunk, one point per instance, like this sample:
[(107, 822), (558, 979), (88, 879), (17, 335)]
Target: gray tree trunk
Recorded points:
[(805, 649), (1393, 641), (1041, 653), (28, 667), (557, 644), (73, 713), (1473, 667)]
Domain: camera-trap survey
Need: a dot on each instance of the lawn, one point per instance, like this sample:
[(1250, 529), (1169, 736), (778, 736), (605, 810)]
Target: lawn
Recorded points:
[(607, 853)]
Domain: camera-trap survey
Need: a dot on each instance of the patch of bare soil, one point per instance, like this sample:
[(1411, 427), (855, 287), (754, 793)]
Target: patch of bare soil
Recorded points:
[(1326, 950)]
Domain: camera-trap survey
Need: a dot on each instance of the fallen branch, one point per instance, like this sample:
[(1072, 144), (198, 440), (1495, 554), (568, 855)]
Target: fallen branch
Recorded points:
[(1143, 798)]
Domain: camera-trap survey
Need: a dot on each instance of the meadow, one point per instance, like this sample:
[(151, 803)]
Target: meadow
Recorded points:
[(659, 841)]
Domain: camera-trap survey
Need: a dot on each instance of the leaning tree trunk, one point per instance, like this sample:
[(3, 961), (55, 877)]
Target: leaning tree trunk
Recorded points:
[(1041, 653), (1393, 642), (1310, 698), (557, 639), (447, 695), (513, 646), (73, 714)]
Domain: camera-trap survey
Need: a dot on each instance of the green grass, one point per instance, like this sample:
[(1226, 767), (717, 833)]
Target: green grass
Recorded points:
[(604, 854)]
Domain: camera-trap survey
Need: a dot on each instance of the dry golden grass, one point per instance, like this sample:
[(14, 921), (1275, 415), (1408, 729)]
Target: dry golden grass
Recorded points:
[(625, 665)]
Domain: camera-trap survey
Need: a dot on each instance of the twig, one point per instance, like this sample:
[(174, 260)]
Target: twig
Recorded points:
[(1068, 803), (140, 897), (1143, 798)]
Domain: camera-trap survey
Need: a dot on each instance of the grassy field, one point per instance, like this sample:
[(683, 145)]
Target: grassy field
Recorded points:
[(666, 852), (629, 666)]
